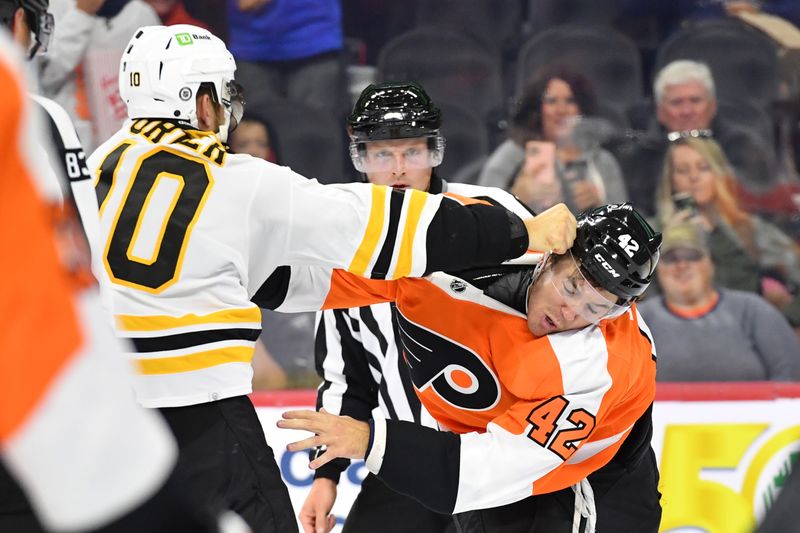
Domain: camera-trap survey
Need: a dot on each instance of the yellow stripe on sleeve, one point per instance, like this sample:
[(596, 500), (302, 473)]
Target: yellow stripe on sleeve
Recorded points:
[(195, 361), (159, 322), (404, 261), (372, 235)]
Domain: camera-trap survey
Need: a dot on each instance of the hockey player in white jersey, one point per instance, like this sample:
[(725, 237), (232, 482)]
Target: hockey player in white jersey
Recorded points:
[(89, 458), (395, 141), (192, 239)]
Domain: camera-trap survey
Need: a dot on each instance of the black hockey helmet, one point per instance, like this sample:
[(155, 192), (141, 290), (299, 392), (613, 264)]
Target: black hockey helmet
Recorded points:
[(394, 110), (39, 20), (617, 249)]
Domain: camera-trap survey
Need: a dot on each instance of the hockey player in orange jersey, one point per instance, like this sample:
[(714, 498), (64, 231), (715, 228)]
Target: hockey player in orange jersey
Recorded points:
[(541, 377)]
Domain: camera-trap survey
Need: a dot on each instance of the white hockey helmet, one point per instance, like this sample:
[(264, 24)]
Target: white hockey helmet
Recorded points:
[(163, 67)]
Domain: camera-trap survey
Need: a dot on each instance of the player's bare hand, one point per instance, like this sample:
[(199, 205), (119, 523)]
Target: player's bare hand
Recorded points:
[(552, 230), (343, 436), (315, 515)]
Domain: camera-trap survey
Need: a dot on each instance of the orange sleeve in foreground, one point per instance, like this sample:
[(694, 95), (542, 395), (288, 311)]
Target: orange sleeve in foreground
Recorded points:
[(465, 200), (40, 332), (349, 290)]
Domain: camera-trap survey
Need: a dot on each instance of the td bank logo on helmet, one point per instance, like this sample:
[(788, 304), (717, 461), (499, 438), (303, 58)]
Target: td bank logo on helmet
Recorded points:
[(606, 265), (185, 39)]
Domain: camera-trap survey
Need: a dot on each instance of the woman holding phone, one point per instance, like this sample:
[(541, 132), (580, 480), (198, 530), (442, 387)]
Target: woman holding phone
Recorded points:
[(552, 154), (751, 254)]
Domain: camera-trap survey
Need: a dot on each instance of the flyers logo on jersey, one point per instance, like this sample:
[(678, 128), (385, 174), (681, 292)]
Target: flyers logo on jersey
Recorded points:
[(456, 373)]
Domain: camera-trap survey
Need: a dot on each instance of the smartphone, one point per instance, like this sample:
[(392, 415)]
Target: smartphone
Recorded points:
[(540, 158), (577, 170), (684, 201)]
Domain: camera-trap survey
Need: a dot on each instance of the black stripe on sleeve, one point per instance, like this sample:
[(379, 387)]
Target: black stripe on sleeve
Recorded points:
[(320, 353), (359, 397), (273, 291), (381, 267), (461, 237), (402, 371), (55, 136), (650, 341), (69, 155), (194, 338), (422, 463), (368, 318)]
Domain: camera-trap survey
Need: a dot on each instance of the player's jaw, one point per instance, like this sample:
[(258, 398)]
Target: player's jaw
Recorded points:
[(544, 316), (542, 323)]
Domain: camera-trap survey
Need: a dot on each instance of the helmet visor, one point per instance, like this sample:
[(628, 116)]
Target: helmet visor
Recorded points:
[(43, 31), (578, 293), (396, 155)]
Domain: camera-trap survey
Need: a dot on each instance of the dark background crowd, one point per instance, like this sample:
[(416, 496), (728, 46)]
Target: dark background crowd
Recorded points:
[(689, 109)]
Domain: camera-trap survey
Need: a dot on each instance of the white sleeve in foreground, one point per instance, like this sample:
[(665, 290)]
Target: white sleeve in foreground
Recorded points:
[(499, 459), (90, 453)]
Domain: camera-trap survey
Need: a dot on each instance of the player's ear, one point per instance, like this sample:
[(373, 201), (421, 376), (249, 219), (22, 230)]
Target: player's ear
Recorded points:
[(206, 110), (18, 21)]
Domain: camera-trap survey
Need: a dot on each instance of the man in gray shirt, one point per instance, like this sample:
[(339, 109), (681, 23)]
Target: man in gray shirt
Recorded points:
[(709, 334)]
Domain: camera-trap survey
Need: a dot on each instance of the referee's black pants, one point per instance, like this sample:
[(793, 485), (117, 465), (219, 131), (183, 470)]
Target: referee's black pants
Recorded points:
[(224, 457), (377, 508)]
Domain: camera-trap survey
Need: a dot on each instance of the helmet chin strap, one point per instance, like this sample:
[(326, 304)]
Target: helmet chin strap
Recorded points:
[(225, 126), (536, 273)]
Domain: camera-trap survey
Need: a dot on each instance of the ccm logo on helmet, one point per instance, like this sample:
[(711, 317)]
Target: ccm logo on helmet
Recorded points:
[(606, 265)]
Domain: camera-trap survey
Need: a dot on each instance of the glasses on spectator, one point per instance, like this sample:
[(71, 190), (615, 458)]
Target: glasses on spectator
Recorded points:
[(678, 255), (686, 134)]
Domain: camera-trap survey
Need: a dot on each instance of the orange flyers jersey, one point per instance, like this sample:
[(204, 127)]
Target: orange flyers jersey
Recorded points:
[(534, 415), (67, 418)]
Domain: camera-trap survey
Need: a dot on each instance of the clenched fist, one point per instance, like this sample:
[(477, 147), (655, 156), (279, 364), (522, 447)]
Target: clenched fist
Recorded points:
[(552, 230)]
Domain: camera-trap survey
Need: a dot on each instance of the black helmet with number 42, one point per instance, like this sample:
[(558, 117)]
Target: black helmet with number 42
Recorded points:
[(617, 249), (394, 110)]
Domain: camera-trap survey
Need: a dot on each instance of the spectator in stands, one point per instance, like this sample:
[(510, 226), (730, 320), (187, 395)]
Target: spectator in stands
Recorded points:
[(669, 16), (549, 110), (708, 334), (686, 105), (252, 137), (86, 27), (685, 96), (288, 50), (174, 12), (740, 243)]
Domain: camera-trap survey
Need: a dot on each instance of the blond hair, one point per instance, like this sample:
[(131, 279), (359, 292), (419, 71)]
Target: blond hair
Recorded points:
[(724, 204)]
